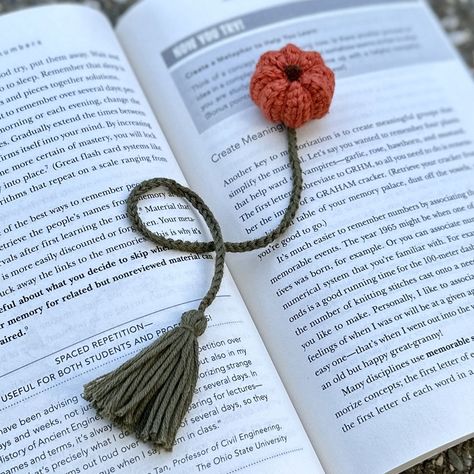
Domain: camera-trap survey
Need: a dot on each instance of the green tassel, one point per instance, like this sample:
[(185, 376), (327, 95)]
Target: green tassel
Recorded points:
[(150, 393)]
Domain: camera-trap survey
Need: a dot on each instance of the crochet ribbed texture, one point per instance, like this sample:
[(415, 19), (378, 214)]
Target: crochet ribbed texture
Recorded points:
[(292, 86)]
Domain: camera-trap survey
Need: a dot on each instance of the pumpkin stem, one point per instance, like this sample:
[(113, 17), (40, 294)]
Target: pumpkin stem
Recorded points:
[(293, 72)]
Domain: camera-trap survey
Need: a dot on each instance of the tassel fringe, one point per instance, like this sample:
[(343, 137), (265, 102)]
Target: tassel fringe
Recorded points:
[(149, 394)]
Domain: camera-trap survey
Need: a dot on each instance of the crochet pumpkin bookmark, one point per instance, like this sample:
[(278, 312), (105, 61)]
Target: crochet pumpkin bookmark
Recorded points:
[(150, 394)]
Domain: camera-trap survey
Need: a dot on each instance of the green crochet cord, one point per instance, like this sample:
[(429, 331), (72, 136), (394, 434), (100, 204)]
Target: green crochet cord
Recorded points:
[(244, 246), (150, 394)]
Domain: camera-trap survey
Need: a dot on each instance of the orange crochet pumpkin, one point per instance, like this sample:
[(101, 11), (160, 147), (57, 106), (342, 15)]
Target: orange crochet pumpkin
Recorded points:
[(292, 86)]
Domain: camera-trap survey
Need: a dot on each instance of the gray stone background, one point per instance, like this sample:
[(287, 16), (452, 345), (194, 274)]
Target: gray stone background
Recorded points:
[(457, 18)]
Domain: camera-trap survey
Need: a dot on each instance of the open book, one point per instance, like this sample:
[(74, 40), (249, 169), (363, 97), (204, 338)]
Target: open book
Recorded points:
[(347, 346)]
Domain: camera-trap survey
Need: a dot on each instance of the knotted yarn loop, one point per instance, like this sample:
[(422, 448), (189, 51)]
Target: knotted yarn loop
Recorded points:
[(195, 321)]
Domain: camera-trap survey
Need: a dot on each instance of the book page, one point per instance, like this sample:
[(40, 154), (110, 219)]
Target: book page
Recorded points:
[(81, 291), (365, 303)]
